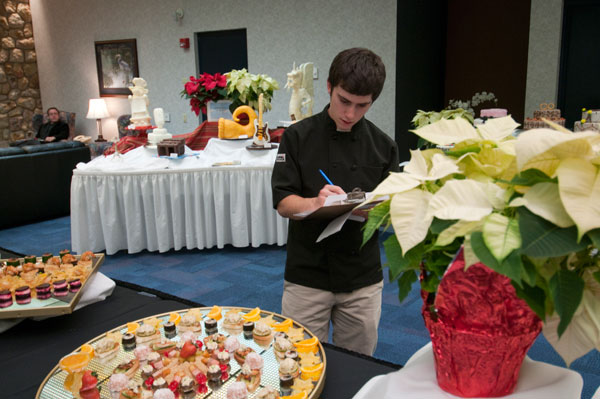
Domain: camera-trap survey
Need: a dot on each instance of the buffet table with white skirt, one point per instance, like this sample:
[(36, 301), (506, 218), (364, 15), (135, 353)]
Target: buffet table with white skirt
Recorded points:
[(138, 201)]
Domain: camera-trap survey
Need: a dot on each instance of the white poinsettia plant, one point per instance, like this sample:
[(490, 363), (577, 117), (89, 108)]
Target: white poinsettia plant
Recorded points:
[(527, 207), (244, 88)]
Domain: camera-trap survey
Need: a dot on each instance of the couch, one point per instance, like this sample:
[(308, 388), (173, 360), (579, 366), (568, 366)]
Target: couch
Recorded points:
[(36, 181)]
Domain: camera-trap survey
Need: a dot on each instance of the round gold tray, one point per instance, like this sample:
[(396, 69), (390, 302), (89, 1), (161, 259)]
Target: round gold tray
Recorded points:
[(52, 386)]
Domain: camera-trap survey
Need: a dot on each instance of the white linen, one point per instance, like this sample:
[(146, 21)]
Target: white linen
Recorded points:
[(417, 380), (189, 204)]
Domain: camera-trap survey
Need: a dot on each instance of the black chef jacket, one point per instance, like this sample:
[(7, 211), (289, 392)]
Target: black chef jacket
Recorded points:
[(361, 158)]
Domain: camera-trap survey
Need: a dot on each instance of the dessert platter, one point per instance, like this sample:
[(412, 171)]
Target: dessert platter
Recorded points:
[(218, 352), (46, 285)]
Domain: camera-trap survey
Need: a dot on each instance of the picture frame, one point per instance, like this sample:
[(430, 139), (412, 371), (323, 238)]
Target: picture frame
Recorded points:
[(117, 64)]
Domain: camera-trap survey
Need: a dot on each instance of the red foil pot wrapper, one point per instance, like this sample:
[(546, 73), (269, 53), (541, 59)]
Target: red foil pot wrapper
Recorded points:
[(480, 332)]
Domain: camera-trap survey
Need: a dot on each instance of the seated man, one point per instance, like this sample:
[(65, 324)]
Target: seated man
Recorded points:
[(54, 129)]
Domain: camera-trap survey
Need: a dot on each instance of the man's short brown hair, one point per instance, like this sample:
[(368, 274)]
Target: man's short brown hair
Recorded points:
[(359, 71), (51, 108)]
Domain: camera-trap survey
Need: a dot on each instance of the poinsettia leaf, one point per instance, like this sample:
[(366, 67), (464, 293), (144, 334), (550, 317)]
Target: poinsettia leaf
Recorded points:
[(594, 235), (398, 263), (511, 266), (461, 199), (405, 284), (566, 288), (579, 186), (446, 132), (540, 238), (534, 296), (530, 177), (501, 235), (543, 199), (498, 128), (458, 229), (377, 216), (596, 276), (439, 225), (529, 273), (430, 282), (410, 218)]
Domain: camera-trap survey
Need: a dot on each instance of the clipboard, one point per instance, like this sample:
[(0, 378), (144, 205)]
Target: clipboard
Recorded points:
[(336, 205)]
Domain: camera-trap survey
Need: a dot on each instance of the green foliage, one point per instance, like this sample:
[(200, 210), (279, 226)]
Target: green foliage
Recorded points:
[(544, 239), (534, 296), (378, 215), (566, 288), (244, 88), (511, 266), (530, 177)]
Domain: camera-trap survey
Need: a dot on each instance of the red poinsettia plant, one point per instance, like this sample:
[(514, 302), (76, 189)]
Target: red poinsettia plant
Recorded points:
[(203, 89)]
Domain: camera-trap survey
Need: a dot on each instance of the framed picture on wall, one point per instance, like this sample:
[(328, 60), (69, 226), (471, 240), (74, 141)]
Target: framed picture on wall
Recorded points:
[(117, 64)]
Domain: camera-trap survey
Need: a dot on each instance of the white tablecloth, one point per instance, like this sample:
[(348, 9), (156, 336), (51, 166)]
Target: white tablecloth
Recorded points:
[(138, 201), (417, 380)]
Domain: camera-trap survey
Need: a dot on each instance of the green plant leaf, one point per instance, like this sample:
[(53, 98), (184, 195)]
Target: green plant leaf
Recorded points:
[(377, 216), (530, 177), (566, 288), (594, 235), (529, 271), (405, 284), (511, 267), (501, 235), (430, 283), (596, 276), (543, 239), (534, 296), (398, 263), (439, 225)]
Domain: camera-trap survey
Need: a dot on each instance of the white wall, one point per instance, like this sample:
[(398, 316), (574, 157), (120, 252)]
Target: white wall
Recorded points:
[(544, 54), (279, 32)]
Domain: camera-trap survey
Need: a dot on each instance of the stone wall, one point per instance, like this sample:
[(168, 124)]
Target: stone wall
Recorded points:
[(19, 82)]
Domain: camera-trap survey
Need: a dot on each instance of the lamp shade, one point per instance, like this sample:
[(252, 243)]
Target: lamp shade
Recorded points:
[(97, 109)]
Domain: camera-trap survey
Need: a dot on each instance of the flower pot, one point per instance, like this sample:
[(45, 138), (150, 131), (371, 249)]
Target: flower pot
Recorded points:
[(480, 331)]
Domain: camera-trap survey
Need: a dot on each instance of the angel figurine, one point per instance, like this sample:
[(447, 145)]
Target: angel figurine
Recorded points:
[(300, 80)]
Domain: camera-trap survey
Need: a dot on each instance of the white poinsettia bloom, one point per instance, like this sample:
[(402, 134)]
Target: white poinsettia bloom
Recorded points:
[(461, 199), (441, 166), (446, 132), (498, 128), (410, 219)]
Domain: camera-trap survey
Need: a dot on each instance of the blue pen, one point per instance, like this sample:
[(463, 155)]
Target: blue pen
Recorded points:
[(326, 178)]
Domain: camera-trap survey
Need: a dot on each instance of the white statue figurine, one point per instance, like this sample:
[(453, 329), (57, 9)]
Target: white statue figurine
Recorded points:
[(139, 103), (159, 133), (300, 80)]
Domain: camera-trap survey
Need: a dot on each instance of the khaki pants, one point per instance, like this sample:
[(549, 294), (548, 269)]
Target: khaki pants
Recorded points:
[(354, 315)]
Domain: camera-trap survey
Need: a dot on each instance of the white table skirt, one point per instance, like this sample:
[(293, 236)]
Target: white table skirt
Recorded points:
[(161, 210)]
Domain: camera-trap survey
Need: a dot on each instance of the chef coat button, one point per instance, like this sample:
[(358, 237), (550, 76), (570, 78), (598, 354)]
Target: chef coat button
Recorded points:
[(353, 167)]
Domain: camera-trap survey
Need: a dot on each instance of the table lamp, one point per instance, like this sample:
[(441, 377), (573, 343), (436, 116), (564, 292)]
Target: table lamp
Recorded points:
[(97, 110)]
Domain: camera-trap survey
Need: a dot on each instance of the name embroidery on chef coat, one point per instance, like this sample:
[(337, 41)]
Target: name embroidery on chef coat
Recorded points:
[(280, 158)]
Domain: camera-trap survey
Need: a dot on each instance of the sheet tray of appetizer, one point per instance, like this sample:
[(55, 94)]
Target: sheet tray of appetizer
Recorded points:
[(46, 285), (218, 352)]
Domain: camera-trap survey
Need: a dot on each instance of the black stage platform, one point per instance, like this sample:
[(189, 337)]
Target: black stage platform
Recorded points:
[(31, 349)]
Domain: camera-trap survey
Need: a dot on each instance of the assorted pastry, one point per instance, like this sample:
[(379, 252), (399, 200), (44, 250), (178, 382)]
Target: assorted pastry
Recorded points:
[(42, 277), (188, 365)]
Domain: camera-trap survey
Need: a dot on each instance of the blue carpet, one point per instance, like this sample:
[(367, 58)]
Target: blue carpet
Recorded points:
[(254, 277)]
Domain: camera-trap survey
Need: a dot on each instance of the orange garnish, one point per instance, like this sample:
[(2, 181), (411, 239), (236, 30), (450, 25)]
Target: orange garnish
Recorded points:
[(253, 315), (284, 326), (308, 345), (215, 313), (174, 318), (132, 327), (300, 395), (89, 349), (74, 362), (313, 372)]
